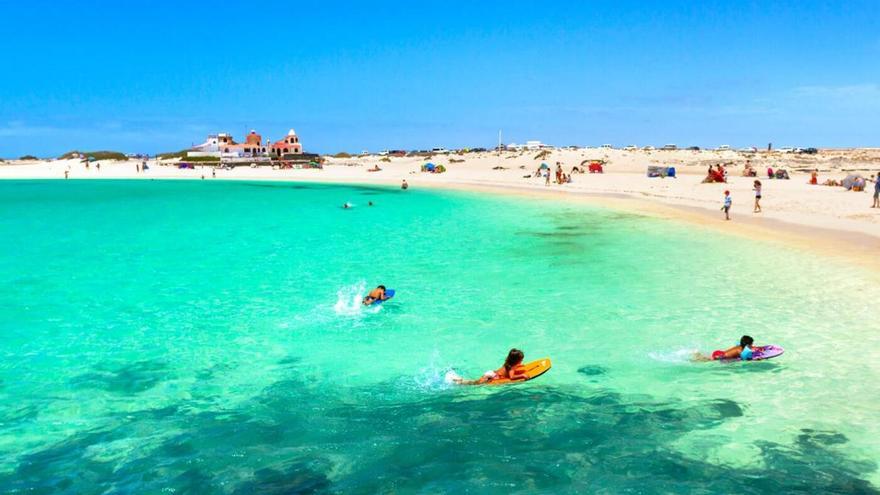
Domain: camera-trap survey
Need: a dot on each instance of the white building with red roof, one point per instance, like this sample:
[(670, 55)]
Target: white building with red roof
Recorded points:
[(290, 145), (222, 145)]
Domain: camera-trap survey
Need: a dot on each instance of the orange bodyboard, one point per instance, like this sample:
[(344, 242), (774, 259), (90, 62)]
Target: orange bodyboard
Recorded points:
[(533, 370)]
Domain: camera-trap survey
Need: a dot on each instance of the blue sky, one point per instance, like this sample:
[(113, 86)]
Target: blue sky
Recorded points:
[(158, 76)]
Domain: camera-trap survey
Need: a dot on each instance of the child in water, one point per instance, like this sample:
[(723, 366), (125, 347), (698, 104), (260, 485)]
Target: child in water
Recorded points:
[(377, 294), (512, 369), (743, 351)]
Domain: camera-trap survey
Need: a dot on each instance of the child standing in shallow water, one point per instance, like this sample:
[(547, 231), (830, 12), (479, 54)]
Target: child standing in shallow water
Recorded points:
[(757, 196), (726, 207)]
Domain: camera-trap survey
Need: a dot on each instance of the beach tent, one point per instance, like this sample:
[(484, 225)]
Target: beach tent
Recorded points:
[(850, 180), (544, 166), (428, 167)]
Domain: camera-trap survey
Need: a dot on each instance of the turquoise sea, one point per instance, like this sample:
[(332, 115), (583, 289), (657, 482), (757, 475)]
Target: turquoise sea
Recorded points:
[(205, 337)]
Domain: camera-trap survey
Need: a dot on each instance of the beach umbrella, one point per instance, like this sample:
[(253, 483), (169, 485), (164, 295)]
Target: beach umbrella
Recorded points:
[(544, 166), (850, 180)]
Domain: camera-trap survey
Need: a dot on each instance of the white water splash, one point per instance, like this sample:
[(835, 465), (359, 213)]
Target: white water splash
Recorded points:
[(682, 355), (434, 376), (349, 301)]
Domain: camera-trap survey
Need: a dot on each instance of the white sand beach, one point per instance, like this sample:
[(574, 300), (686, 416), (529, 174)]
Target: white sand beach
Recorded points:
[(810, 215)]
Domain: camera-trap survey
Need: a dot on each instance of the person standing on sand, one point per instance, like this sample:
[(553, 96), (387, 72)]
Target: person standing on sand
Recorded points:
[(876, 191), (727, 204), (66, 172), (757, 196)]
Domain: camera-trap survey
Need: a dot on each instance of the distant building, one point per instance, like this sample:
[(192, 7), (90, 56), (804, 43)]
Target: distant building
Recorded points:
[(535, 145), (290, 145), (222, 145), (530, 145)]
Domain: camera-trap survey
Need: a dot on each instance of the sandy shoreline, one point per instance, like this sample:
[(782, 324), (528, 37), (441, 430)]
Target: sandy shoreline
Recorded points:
[(830, 220)]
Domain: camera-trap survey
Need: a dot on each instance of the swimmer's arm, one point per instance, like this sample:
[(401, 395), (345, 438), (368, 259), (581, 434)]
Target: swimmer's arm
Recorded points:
[(733, 352), (519, 376)]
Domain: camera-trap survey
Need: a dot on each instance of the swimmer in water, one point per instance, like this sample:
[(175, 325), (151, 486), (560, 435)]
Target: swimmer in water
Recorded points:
[(512, 369), (377, 294), (743, 351), (346, 205)]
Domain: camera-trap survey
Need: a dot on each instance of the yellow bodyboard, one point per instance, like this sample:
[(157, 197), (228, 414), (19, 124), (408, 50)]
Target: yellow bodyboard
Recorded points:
[(533, 370)]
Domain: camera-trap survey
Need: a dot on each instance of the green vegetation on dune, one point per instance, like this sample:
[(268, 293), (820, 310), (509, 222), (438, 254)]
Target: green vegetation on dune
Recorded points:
[(28, 157), (95, 155), (200, 159), (342, 154), (172, 154)]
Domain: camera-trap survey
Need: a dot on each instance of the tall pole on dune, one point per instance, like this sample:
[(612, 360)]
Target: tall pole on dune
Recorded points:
[(499, 141)]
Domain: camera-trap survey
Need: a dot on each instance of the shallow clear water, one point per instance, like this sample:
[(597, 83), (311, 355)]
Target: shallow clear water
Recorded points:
[(203, 337)]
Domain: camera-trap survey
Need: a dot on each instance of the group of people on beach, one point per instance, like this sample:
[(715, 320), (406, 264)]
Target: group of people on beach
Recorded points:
[(858, 184), (561, 176)]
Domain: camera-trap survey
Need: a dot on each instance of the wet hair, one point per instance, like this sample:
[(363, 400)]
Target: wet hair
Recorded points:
[(514, 357), (381, 287), (746, 341)]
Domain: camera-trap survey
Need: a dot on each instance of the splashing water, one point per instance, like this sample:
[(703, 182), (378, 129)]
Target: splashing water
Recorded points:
[(435, 375), (681, 355), (349, 301)]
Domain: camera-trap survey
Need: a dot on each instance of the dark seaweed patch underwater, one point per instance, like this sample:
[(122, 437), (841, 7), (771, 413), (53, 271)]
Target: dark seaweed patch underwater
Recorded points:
[(292, 439)]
